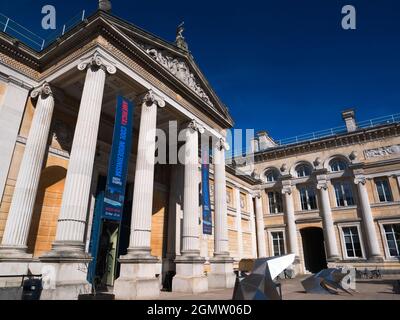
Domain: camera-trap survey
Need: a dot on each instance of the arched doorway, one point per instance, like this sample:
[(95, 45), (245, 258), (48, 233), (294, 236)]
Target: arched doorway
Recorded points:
[(313, 249)]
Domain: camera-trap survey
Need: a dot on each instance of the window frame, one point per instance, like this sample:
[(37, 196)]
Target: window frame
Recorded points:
[(275, 198), (273, 172), (271, 240), (390, 193), (343, 240), (307, 188), (337, 160), (342, 184), (384, 239), (303, 165)]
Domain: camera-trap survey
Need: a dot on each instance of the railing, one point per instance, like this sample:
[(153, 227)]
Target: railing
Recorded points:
[(31, 39), (394, 118), (339, 130), (21, 33)]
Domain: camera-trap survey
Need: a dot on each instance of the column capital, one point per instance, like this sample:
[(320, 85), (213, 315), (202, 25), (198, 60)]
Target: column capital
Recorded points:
[(222, 144), (195, 126), (322, 182), (43, 90), (360, 179), (287, 189), (97, 61), (149, 98)]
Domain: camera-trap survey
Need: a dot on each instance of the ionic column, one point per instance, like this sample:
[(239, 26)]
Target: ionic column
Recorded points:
[(262, 251), (142, 206), (138, 268), (221, 246), (252, 226), (368, 221), (15, 236), (290, 220), (190, 230), (189, 265), (327, 221), (239, 223), (221, 275), (72, 220)]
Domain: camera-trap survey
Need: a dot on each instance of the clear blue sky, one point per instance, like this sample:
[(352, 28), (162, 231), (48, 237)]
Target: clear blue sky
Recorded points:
[(286, 66)]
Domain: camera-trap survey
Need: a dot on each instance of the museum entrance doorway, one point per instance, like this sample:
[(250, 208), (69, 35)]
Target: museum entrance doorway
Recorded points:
[(109, 239), (313, 249)]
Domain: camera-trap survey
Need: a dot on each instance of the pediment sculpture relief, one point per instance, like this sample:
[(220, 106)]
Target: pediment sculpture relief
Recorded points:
[(179, 69)]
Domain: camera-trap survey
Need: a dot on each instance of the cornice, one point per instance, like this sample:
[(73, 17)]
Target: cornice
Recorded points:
[(338, 141)]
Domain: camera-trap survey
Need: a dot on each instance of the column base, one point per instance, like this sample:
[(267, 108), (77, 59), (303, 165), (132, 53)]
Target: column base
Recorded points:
[(190, 275), (221, 275), (64, 271), (333, 259), (137, 278), (14, 253)]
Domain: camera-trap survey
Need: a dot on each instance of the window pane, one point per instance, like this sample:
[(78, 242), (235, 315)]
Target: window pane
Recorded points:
[(339, 195)]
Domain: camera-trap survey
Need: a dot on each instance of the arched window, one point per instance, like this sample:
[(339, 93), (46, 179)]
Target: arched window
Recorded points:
[(303, 170), (337, 165), (271, 175)]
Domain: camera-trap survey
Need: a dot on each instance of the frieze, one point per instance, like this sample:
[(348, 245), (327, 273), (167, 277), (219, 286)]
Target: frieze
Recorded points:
[(382, 151)]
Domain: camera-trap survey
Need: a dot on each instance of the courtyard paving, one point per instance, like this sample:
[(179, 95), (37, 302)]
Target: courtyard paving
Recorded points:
[(367, 289)]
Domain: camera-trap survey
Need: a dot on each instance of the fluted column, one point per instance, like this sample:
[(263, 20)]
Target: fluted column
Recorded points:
[(239, 223), (252, 226), (15, 236), (262, 251), (72, 219), (367, 219), (189, 265), (221, 246), (290, 220), (327, 221), (142, 206), (190, 230)]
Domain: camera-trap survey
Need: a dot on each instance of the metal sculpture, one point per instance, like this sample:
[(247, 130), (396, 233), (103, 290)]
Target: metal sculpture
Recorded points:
[(259, 284), (327, 281)]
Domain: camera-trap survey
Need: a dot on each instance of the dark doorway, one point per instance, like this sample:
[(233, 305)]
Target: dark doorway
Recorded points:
[(313, 248)]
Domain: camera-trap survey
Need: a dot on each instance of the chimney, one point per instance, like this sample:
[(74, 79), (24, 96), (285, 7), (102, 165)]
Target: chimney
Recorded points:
[(349, 119), (105, 5), (254, 145), (265, 141)]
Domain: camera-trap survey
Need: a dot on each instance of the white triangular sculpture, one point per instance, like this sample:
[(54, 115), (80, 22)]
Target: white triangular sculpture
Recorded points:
[(278, 264)]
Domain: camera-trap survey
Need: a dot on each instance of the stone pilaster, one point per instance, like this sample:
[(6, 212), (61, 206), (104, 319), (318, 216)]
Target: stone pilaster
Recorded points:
[(68, 252), (189, 266), (262, 250), (221, 275), (252, 226), (138, 268), (14, 242), (11, 112), (239, 223), (327, 221), (374, 252)]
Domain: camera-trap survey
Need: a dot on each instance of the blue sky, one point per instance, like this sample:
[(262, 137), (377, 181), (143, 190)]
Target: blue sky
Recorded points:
[(285, 66)]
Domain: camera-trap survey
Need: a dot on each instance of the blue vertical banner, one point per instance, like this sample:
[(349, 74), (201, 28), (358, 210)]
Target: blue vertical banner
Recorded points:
[(205, 190), (118, 163)]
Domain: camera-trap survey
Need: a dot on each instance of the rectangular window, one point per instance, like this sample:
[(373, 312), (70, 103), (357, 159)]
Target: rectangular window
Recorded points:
[(307, 198), (352, 242), (392, 233), (278, 243), (344, 194), (275, 202), (383, 188)]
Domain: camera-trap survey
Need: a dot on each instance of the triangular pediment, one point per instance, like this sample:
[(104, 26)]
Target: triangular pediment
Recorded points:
[(178, 62)]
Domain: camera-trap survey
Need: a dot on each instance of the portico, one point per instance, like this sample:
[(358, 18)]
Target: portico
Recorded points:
[(73, 113)]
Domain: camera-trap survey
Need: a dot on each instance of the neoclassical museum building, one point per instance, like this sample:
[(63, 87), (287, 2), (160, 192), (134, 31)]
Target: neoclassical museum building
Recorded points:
[(332, 199)]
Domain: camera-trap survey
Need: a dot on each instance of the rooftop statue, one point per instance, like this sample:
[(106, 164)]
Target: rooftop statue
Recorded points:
[(180, 39)]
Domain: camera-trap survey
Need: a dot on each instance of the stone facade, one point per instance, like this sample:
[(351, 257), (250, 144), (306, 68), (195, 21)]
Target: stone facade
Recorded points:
[(57, 118)]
